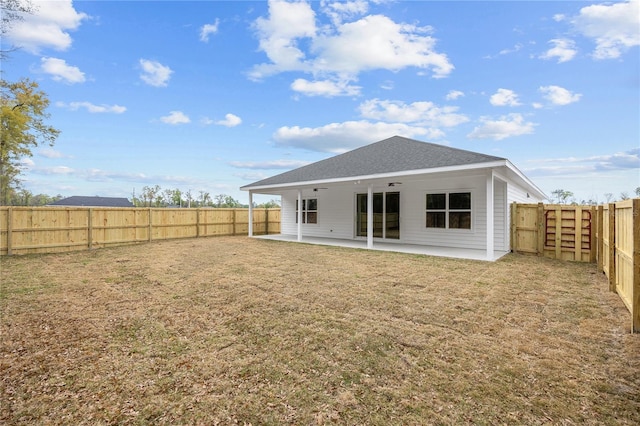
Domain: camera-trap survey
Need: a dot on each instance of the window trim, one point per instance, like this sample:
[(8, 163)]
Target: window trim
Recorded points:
[(306, 210), (447, 210)]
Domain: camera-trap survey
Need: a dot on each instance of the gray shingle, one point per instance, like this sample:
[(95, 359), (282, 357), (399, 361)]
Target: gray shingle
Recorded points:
[(396, 154)]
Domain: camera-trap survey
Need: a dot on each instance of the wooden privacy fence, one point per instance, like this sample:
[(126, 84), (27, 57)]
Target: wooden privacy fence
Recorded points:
[(25, 230), (607, 234)]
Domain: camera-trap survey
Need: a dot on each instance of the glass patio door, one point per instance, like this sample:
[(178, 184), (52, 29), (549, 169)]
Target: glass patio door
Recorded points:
[(386, 215)]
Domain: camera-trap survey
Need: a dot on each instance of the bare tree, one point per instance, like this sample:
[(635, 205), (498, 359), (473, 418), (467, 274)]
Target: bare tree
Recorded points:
[(10, 12)]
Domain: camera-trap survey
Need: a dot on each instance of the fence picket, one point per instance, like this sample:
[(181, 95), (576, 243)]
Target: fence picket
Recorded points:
[(26, 230)]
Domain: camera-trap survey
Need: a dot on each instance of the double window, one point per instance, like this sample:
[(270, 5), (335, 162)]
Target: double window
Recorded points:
[(449, 210), (309, 210)]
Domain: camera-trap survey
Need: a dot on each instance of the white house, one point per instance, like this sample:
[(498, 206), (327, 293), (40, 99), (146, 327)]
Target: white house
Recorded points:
[(401, 193)]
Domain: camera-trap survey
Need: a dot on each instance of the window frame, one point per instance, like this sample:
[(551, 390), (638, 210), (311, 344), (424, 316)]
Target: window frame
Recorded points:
[(307, 212), (447, 211)]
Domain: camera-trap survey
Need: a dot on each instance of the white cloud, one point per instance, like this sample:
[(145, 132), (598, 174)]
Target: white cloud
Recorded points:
[(208, 29), (74, 106), (563, 49), (27, 163), (269, 165), (504, 97), (340, 52), (230, 120), (505, 127), (421, 113), (453, 95), (60, 71), (614, 28), (624, 160), (47, 27), (342, 137), (516, 48), (175, 117), (558, 95), (154, 73), (325, 88), (50, 153), (340, 10), (279, 36), (377, 42)]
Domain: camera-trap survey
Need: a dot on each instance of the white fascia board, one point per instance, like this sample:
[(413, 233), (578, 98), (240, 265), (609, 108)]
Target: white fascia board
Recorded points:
[(446, 169), (526, 180)]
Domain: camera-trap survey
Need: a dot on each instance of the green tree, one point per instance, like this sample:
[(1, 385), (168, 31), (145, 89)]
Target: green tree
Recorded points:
[(271, 204), (637, 191), (562, 196), (150, 195), (22, 127)]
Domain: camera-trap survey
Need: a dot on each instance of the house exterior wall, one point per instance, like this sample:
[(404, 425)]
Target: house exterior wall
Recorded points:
[(337, 211), (501, 216)]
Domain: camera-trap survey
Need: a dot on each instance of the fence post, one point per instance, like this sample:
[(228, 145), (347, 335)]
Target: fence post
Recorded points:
[(612, 247), (600, 240), (558, 232), (541, 230), (90, 228), (514, 233), (266, 221), (198, 222), (577, 237), (234, 222), (635, 290), (150, 225), (593, 220), (9, 231)]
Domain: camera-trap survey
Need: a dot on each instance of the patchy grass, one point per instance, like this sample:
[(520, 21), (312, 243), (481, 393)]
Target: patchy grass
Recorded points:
[(237, 330)]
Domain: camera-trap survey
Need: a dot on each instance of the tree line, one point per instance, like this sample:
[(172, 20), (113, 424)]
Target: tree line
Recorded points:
[(155, 196), (561, 196)]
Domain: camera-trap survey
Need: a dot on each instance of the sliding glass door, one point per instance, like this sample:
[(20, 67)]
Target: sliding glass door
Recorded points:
[(386, 215)]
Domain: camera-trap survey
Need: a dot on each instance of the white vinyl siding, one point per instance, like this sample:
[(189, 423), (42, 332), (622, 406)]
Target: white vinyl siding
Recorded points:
[(335, 213), (337, 210), (413, 229)]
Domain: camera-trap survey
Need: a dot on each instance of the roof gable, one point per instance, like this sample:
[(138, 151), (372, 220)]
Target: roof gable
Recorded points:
[(80, 201), (395, 154)]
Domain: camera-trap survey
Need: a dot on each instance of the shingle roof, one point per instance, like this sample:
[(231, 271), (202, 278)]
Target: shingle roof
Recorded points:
[(79, 201), (396, 154)]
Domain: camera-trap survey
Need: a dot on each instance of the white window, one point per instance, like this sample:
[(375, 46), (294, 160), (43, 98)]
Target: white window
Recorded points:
[(449, 210), (309, 210)]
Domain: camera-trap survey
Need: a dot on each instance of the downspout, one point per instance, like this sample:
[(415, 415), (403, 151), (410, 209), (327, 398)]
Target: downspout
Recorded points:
[(299, 215), (370, 216)]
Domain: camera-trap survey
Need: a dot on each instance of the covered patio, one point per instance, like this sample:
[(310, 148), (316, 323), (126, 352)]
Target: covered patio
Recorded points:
[(458, 253)]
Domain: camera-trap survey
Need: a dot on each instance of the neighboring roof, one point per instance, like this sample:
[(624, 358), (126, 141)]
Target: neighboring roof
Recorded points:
[(396, 154), (79, 201)]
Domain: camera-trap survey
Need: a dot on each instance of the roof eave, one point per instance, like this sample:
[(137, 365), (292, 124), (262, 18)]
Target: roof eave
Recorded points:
[(526, 180), (290, 185)]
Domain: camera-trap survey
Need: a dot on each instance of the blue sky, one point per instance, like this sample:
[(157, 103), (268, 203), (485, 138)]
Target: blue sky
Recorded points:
[(212, 95)]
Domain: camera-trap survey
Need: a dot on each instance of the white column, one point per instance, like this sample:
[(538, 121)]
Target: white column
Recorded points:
[(250, 214), (370, 216), (299, 215), (490, 215)]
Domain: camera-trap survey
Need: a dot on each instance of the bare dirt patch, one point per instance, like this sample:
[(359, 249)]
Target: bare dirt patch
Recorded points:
[(237, 330)]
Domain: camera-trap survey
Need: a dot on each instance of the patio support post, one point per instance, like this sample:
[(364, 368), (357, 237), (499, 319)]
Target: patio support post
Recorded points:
[(250, 214), (370, 216), (299, 215), (490, 214)]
